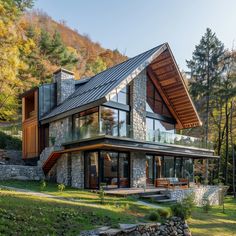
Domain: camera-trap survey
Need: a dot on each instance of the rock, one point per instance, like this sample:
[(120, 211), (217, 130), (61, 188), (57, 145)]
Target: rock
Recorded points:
[(127, 226), (110, 232)]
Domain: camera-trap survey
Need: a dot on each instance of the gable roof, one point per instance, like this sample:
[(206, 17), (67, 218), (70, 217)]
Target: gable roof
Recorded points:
[(161, 68), (100, 85)]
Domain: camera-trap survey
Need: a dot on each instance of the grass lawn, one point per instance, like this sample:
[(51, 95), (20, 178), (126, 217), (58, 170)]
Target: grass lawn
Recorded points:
[(22, 214), (30, 215), (215, 222)]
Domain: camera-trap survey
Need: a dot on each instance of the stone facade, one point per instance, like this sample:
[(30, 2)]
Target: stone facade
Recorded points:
[(11, 157), (212, 193), (59, 130), (138, 106), (62, 169), (77, 171), (20, 172), (138, 169), (65, 84)]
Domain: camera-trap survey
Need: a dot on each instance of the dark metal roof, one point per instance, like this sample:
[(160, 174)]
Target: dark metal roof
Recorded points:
[(101, 84)]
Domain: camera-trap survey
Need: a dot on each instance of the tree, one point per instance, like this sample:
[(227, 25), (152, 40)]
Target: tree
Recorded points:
[(205, 69), (13, 48)]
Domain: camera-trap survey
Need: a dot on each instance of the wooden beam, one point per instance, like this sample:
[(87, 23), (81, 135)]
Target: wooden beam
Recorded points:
[(163, 95)]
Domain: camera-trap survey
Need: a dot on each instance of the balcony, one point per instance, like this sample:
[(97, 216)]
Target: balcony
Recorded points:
[(125, 131), (177, 139)]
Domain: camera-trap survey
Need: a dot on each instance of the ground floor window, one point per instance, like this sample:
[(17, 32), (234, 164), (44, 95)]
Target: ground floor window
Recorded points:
[(168, 166), (108, 168)]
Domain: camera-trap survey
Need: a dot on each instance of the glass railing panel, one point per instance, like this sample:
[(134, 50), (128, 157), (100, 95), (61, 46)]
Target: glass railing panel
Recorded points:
[(177, 139)]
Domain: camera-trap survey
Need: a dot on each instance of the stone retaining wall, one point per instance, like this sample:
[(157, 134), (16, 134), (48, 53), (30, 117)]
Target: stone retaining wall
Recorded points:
[(173, 227), (212, 193), (11, 157), (20, 172)]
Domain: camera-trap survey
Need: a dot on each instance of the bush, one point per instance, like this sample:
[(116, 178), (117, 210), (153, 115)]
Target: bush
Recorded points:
[(206, 205), (102, 195), (9, 142), (164, 213), (179, 210), (61, 187), (43, 185), (154, 216), (184, 209)]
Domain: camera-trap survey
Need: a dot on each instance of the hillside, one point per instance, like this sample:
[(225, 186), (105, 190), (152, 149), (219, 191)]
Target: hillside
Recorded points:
[(91, 56)]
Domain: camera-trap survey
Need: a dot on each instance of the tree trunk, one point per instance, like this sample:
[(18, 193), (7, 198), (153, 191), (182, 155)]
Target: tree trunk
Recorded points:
[(226, 142)]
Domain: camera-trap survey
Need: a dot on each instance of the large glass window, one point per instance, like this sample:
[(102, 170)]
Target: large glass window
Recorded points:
[(168, 167), (124, 170), (114, 122), (155, 103), (188, 169), (107, 168), (91, 170), (122, 96), (155, 127), (86, 124)]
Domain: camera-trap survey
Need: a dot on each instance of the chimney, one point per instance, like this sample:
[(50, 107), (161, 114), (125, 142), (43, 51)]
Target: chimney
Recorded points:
[(65, 84)]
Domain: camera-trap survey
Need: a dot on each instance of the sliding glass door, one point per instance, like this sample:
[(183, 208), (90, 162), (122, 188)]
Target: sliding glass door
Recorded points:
[(91, 170), (107, 168)]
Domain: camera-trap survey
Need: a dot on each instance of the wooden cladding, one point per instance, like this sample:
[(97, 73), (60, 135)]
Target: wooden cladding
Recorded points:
[(30, 144), (165, 75)]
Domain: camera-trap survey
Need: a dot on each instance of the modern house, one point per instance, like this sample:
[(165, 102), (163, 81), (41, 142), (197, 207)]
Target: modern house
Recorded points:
[(117, 127)]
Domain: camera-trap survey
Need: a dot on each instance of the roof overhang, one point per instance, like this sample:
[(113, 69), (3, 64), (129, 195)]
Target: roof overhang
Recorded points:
[(165, 74), (125, 144)]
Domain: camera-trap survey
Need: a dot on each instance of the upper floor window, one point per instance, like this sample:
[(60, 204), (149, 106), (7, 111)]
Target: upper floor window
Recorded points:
[(114, 122), (122, 96), (154, 102), (85, 124)]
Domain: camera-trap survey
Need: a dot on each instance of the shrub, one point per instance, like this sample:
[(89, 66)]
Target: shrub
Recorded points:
[(154, 216), (9, 142), (178, 210), (184, 209), (43, 185), (206, 205), (102, 195), (164, 213), (61, 187)]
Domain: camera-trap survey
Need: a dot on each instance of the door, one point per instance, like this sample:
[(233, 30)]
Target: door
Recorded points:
[(149, 170), (91, 170)]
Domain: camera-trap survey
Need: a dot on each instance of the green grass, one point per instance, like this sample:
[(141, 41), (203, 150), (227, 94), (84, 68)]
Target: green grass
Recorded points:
[(27, 215), (215, 222), (22, 214)]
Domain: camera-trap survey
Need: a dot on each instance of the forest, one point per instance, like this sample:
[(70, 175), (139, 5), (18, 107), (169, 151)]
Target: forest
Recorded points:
[(33, 45)]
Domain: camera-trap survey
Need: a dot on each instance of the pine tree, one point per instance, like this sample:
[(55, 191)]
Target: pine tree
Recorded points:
[(205, 69)]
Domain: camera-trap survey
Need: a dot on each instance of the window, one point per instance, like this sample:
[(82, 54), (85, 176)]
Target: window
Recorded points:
[(85, 124), (114, 122), (168, 167), (122, 96), (154, 128), (155, 103)]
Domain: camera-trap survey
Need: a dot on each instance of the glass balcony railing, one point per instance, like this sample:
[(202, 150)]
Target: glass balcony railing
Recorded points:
[(125, 131), (177, 139)]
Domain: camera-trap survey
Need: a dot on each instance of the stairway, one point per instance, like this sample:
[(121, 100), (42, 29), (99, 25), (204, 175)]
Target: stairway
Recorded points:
[(157, 197)]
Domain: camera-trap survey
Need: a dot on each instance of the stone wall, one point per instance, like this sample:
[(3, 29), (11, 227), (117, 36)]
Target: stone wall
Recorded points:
[(77, 171), (65, 84), (173, 226), (212, 193), (11, 157), (20, 172), (62, 169), (138, 169), (138, 106), (60, 130)]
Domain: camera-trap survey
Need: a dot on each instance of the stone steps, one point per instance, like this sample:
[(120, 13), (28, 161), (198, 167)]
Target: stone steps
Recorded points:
[(166, 201)]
